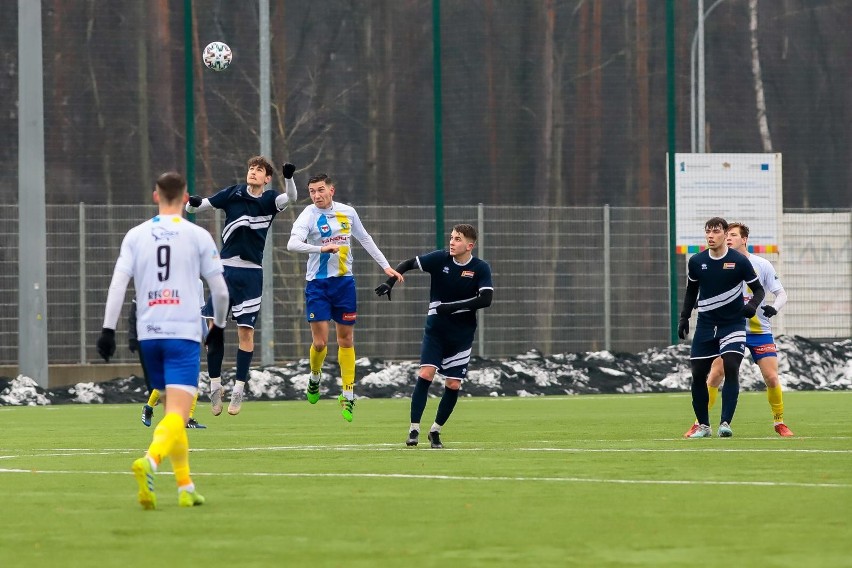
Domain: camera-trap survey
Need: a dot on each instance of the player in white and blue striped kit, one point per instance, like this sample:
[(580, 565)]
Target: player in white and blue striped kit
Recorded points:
[(324, 231), (249, 210)]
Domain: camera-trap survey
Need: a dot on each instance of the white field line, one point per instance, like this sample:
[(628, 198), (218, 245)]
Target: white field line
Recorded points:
[(484, 478), (694, 447)]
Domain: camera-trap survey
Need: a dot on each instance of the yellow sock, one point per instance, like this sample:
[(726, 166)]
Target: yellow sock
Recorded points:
[(317, 358), (346, 360), (192, 408), (165, 435), (714, 396), (180, 459), (153, 398), (776, 403)]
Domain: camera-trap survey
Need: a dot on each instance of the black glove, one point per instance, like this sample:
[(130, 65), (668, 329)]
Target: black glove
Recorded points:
[(444, 309), (769, 311), (106, 343), (683, 328), (288, 170), (748, 311), (195, 200), (133, 344), (215, 341), (384, 289)]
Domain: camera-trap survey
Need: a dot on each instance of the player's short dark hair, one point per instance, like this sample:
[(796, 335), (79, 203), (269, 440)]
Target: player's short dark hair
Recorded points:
[(171, 185), (714, 222), (742, 227), (467, 231), (323, 177), (261, 161)]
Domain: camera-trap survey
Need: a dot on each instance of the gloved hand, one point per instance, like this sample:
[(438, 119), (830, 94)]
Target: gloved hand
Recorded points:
[(769, 311), (195, 200), (215, 341), (106, 343), (748, 311), (683, 328), (133, 344), (444, 309), (384, 289), (288, 170)]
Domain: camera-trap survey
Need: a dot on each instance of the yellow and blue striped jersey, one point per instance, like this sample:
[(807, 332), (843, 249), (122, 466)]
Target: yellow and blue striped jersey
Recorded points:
[(336, 225)]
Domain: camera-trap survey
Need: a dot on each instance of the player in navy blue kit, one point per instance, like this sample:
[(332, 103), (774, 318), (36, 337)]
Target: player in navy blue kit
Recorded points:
[(714, 284), (249, 210), (461, 284)]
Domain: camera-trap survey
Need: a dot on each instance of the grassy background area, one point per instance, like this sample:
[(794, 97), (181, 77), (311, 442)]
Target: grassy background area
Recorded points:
[(549, 481)]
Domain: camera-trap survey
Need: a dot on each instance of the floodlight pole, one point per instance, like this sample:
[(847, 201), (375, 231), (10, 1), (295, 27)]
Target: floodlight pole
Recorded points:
[(32, 256), (267, 315), (696, 123)]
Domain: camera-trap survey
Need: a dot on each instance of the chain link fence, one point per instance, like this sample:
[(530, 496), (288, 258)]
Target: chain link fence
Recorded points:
[(569, 279)]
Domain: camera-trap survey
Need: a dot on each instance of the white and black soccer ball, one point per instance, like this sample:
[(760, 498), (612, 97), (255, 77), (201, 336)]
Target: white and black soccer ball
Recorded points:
[(217, 56)]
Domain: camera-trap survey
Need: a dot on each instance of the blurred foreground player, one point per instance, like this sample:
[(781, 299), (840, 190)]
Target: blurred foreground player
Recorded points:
[(165, 256)]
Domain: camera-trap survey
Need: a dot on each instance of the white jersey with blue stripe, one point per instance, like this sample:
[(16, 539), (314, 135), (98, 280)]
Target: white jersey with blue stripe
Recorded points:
[(333, 226), (165, 256), (759, 323)]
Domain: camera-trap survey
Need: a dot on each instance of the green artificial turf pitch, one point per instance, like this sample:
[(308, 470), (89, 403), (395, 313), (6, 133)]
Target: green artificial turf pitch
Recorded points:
[(549, 481)]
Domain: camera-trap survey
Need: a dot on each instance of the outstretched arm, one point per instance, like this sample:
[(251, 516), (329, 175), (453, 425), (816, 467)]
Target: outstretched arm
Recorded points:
[(198, 203), (290, 194), (401, 268)]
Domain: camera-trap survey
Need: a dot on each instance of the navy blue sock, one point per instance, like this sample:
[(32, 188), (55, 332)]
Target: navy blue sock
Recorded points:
[(700, 396), (418, 399), (214, 364), (445, 407), (243, 364), (731, 388)]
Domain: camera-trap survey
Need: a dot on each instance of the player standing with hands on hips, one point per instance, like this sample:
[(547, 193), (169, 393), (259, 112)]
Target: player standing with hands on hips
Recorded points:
[(324, 231), (165, 256), (714, 284), (461, 284), (249, 211)]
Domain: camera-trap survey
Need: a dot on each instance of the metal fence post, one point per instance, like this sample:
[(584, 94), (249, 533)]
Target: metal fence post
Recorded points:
[(81, 222), (480, 242), (607, 244)]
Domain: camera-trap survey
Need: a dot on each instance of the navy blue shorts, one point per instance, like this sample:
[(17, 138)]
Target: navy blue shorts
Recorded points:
[(331, 298), (245, 287), (449, 353), (711, 341), (761, 345), (174, 362)]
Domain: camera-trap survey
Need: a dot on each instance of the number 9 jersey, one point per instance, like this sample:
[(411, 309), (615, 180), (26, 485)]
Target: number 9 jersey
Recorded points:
[(166, 256)]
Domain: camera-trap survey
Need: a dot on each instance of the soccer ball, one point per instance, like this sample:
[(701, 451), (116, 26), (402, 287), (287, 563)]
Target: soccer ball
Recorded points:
[(217, 56)]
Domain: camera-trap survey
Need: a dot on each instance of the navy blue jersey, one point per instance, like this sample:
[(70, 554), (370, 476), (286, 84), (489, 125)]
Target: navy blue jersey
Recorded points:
[(247, 220), (453, 282), (720, 286)]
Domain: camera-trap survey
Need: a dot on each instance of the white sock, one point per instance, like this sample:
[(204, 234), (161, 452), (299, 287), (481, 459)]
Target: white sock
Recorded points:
[(152, 462), (349, 395), (190, 488), (239, 386), (414, 426), (435, 427), (215, 384), (315, 377)]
